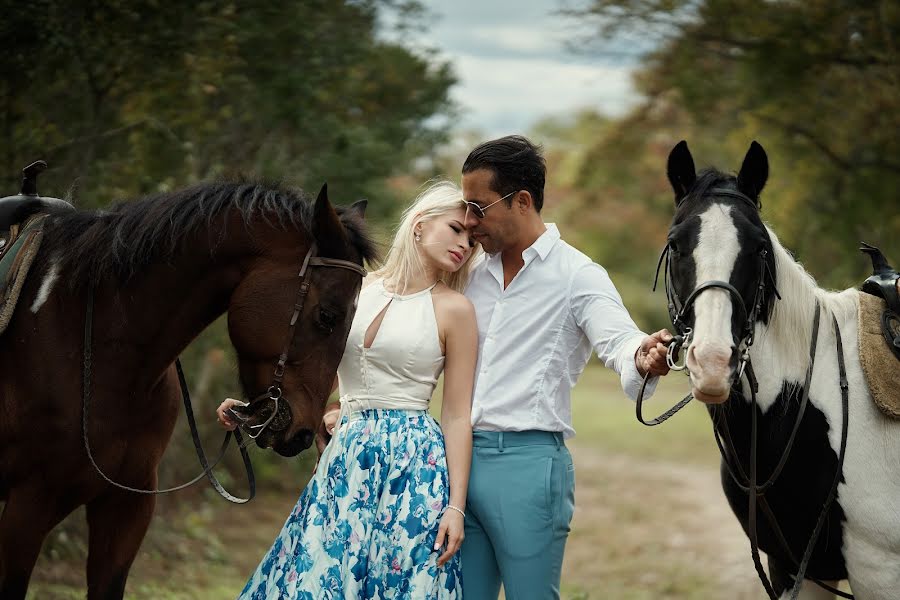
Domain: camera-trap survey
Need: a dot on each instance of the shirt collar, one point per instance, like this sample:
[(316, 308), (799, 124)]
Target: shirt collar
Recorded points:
[(544, 244), (541, 247)]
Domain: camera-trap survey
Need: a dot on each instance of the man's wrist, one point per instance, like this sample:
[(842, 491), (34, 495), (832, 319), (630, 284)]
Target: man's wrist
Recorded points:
[(637, 362)]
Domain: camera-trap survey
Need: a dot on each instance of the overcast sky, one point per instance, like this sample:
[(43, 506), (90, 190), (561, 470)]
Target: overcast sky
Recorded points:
[(513, 65)]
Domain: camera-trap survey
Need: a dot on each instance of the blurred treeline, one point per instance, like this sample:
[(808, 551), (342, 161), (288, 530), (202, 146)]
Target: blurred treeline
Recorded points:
[(816, 82), (126, 97), (130, 97)]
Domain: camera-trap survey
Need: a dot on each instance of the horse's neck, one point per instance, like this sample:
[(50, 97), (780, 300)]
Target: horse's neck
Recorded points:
[(781, 349), (152, 318)]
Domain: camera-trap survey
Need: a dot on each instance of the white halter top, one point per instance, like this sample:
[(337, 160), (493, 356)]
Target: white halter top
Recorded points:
[(402, 367)]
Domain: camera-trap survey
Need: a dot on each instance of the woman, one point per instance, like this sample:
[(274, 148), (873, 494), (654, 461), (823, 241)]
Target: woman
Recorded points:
[(382, 516)]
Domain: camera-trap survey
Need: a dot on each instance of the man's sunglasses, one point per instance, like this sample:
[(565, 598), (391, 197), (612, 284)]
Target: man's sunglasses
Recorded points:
[(479, 211)]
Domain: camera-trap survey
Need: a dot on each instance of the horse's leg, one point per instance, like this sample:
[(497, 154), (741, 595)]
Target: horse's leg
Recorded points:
[(783, 581), (117, 522), (27, 518)]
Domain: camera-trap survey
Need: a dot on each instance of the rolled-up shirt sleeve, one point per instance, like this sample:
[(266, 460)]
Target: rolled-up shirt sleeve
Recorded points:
[(598, 310)]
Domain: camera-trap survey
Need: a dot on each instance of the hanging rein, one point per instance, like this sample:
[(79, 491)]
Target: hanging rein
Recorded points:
[(750, 485), (278, 420)]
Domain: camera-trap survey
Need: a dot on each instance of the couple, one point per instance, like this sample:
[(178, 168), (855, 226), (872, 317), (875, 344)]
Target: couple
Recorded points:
[(394, 493)]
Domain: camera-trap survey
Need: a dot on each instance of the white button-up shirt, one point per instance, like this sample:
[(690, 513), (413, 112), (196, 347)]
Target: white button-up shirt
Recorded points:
[(535, 337)]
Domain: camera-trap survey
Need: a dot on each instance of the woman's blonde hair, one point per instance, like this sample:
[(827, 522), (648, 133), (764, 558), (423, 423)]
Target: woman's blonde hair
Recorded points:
[(403, 262)]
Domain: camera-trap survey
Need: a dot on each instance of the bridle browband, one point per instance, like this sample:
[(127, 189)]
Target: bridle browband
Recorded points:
[(749, 484), (274, 392)]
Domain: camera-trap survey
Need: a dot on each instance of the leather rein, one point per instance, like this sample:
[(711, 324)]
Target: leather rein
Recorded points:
[(274, 392), (749, 484)]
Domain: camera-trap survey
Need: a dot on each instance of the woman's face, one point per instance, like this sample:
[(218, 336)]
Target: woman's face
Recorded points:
[(445, 243)]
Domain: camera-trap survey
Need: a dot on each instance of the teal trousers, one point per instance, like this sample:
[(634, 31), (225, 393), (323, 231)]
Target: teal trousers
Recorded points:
[(520, 504)]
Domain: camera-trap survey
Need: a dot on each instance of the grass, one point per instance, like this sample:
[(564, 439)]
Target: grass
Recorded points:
[(604, 418), (642, 527)]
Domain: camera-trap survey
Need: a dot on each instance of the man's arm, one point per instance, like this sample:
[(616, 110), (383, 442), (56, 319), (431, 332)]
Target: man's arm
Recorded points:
[(600, 313)]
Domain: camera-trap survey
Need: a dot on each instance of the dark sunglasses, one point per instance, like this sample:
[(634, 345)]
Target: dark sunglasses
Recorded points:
[(478, 211)]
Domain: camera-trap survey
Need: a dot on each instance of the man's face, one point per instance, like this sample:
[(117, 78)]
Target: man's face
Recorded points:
[(495, 231)]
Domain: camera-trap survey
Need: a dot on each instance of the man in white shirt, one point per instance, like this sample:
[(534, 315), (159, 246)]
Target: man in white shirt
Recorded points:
[(542, 307)]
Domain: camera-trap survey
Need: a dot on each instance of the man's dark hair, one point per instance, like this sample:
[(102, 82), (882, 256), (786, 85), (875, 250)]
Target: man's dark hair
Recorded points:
[(517, 164)]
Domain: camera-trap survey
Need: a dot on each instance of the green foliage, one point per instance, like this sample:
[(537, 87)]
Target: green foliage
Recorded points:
[(134, 97), (817, 83)]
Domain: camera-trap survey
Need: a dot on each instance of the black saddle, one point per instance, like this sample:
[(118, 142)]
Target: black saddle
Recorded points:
[(16, 209), (885, 283)]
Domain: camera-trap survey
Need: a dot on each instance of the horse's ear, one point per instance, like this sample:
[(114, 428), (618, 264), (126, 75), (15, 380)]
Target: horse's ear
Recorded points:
[(754, 171), (327, 223), (680, 170), (359, 208)]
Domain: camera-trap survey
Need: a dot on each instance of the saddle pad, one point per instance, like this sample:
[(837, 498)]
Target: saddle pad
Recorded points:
[(15, 264), (881, 367)]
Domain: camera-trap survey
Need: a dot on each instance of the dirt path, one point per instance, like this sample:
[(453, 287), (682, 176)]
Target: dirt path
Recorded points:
[(654, 529)]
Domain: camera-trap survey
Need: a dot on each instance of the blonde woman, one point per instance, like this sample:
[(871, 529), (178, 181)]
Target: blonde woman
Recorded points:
[(382, 516)]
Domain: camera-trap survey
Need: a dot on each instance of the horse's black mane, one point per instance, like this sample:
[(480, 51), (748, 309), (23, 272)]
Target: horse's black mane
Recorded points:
[(121, 240)]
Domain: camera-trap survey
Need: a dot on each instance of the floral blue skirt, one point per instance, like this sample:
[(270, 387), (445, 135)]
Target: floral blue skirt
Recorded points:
[(366, 524)]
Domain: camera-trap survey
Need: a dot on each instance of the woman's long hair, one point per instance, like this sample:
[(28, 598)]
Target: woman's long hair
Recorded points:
[(403, 262)]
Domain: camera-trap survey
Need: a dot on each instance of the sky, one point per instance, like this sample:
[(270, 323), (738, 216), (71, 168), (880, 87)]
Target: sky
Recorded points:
[(513, 66)]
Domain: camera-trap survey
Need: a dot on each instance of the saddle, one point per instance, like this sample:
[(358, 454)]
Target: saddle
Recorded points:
[(879, 333), (22, 244), (21, 230)]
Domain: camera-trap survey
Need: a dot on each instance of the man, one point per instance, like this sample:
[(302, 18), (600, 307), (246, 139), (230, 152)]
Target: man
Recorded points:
[(541, 307)]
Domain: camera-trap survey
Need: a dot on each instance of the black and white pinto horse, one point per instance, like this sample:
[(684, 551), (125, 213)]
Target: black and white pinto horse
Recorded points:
[(748, 312)]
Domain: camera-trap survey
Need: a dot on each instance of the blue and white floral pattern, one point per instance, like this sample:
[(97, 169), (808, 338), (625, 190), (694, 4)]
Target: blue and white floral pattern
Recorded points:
[(366, 524)]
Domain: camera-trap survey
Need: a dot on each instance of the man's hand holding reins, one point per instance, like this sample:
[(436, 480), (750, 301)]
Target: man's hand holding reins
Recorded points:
[(651, 355)]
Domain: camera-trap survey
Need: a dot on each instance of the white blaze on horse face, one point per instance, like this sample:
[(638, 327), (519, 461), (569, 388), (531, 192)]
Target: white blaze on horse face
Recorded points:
[(46, 287), (709, 355)]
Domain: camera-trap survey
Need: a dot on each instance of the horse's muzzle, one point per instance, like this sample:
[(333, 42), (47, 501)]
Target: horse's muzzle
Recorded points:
[(300, 441), (712, 368)]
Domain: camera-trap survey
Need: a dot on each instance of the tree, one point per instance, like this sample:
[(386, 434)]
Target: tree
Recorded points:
[(818, 83), (132, 97)]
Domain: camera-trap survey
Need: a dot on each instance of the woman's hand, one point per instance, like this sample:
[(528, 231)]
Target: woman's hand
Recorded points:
[(326, 429), (451, 529), (224, 417)]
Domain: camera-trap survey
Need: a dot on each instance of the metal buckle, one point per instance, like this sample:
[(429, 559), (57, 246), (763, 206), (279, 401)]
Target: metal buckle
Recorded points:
[(678, 342)]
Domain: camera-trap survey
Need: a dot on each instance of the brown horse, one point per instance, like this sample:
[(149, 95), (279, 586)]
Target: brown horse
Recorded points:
[(160, 270)]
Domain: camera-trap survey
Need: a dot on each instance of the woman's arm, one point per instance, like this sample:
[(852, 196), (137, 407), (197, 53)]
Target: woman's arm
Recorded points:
[(329, 421), (461, 343)]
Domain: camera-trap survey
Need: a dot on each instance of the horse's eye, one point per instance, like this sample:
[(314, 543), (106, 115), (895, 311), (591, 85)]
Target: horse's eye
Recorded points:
[(327, 319)]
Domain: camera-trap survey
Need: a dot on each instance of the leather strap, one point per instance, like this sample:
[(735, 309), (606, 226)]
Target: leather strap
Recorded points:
[(195, 435)]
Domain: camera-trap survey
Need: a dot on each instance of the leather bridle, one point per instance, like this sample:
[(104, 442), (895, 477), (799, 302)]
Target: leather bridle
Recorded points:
[(274, 392), (280, 417), (678, 311), (749, 483)]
